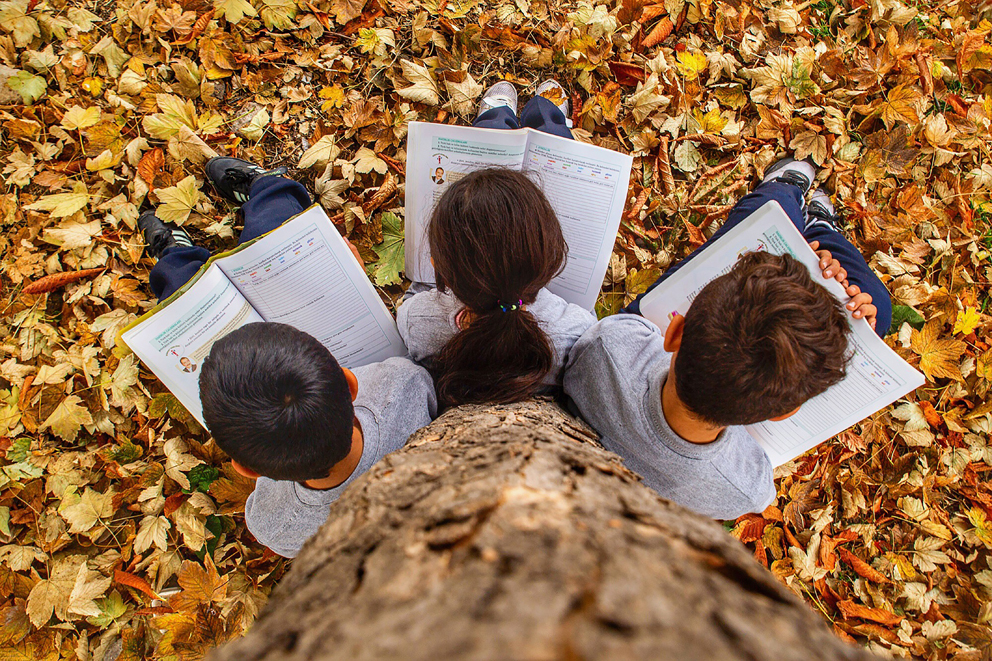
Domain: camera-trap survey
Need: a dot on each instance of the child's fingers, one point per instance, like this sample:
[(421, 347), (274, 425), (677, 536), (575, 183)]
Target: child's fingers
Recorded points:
[(830, 269), (853, 290), (862, 307), (814, 245), (841, 276), (354, 251)]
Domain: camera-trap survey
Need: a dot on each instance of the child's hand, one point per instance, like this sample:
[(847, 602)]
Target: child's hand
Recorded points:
[(831, 267), (861, 306), (354, 251)]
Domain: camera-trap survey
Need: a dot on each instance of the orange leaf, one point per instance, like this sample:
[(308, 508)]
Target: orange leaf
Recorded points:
[(861, 567), (850, 609), (696, 237), (151, 162), (55, 281), (659, 33), (200, 586), (135, 582)]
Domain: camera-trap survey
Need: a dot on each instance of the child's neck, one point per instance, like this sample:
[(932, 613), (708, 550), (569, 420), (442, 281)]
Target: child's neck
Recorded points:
[(682, 422), (342, 470)]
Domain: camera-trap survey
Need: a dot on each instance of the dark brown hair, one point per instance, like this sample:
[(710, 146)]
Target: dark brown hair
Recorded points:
[(760, 341), (495, 240)]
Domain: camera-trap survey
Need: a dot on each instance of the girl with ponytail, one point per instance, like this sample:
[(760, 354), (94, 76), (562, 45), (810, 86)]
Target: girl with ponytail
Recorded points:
[(491, 332)]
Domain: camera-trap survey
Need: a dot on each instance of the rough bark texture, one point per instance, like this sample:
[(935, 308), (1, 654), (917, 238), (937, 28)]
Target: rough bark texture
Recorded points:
[(507, 532)]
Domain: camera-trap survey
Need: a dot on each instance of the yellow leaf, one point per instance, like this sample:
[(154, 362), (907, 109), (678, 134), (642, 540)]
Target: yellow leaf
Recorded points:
[(691, 65), (63, 204), (255, 128), (983, 528), (80, 118), (51, 596), (88, 586), (938, 358), (320, 153), (900, 106), (104, 161), (153, 530), (234, 10), (70, 236), (711, 122), (422, 89), (67, 418), (82, 513), (178, 201), (967, 320)]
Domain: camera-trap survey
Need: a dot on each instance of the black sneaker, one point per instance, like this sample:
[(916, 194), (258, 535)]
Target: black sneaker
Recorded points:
[(791, 171), (233, 177), (160, 235), (820, 211)]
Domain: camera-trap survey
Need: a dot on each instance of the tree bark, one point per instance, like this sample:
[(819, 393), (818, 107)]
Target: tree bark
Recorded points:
[(508, 532)]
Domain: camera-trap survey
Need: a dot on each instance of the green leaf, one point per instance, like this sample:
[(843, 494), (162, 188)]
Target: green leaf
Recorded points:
[(202, 476), (29, 86), (904, 314), (387, 270)]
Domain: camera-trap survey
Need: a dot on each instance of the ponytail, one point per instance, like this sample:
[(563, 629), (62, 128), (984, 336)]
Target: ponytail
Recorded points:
[(495, 238), (501, 357)]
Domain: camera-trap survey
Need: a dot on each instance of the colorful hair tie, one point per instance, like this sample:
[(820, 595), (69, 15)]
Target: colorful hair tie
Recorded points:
[(510, 307)]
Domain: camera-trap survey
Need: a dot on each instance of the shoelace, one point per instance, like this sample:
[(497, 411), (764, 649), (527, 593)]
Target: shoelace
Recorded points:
[(818, 213), (238, 178), (796, 179), (160, 242)]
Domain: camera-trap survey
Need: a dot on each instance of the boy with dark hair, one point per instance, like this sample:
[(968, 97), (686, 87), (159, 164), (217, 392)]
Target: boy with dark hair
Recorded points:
[(755, 344), (276, 401), (273, 397)]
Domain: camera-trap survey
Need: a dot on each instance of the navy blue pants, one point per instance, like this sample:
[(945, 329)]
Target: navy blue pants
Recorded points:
[(272, 201), (791, 200), (539, 114)]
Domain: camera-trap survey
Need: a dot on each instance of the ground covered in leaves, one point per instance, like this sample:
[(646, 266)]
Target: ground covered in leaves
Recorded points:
[(121, 528)]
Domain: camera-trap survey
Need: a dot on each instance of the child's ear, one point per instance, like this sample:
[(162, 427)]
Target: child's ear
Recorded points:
[(786, 415), (352, 382), (244, 470), (673, 335)]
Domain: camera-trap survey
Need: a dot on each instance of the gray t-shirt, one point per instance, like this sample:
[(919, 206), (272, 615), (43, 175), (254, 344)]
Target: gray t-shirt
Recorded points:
[(426, 322), (395, 398), (614, 376)]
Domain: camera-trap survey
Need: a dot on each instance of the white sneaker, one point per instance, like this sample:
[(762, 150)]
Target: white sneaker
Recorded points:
[(820, 211), (553, 91), (788, 170), (499, 95)]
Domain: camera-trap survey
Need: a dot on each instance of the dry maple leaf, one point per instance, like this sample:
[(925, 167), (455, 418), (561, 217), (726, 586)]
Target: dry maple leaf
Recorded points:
[(938, 357)]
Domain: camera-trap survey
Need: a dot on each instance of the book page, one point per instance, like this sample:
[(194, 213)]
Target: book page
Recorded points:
[(876, 375), (440, 154), (174, 341), (587, 187), (304, 275)]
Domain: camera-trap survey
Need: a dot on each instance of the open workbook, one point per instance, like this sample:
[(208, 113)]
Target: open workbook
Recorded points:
[(876, 375), (301, 274), (585, 184)]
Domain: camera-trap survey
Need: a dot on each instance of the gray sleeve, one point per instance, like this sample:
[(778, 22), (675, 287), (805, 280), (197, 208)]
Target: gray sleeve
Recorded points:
[(423, 325), (415, 288), (606, 365), (277, 518)]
